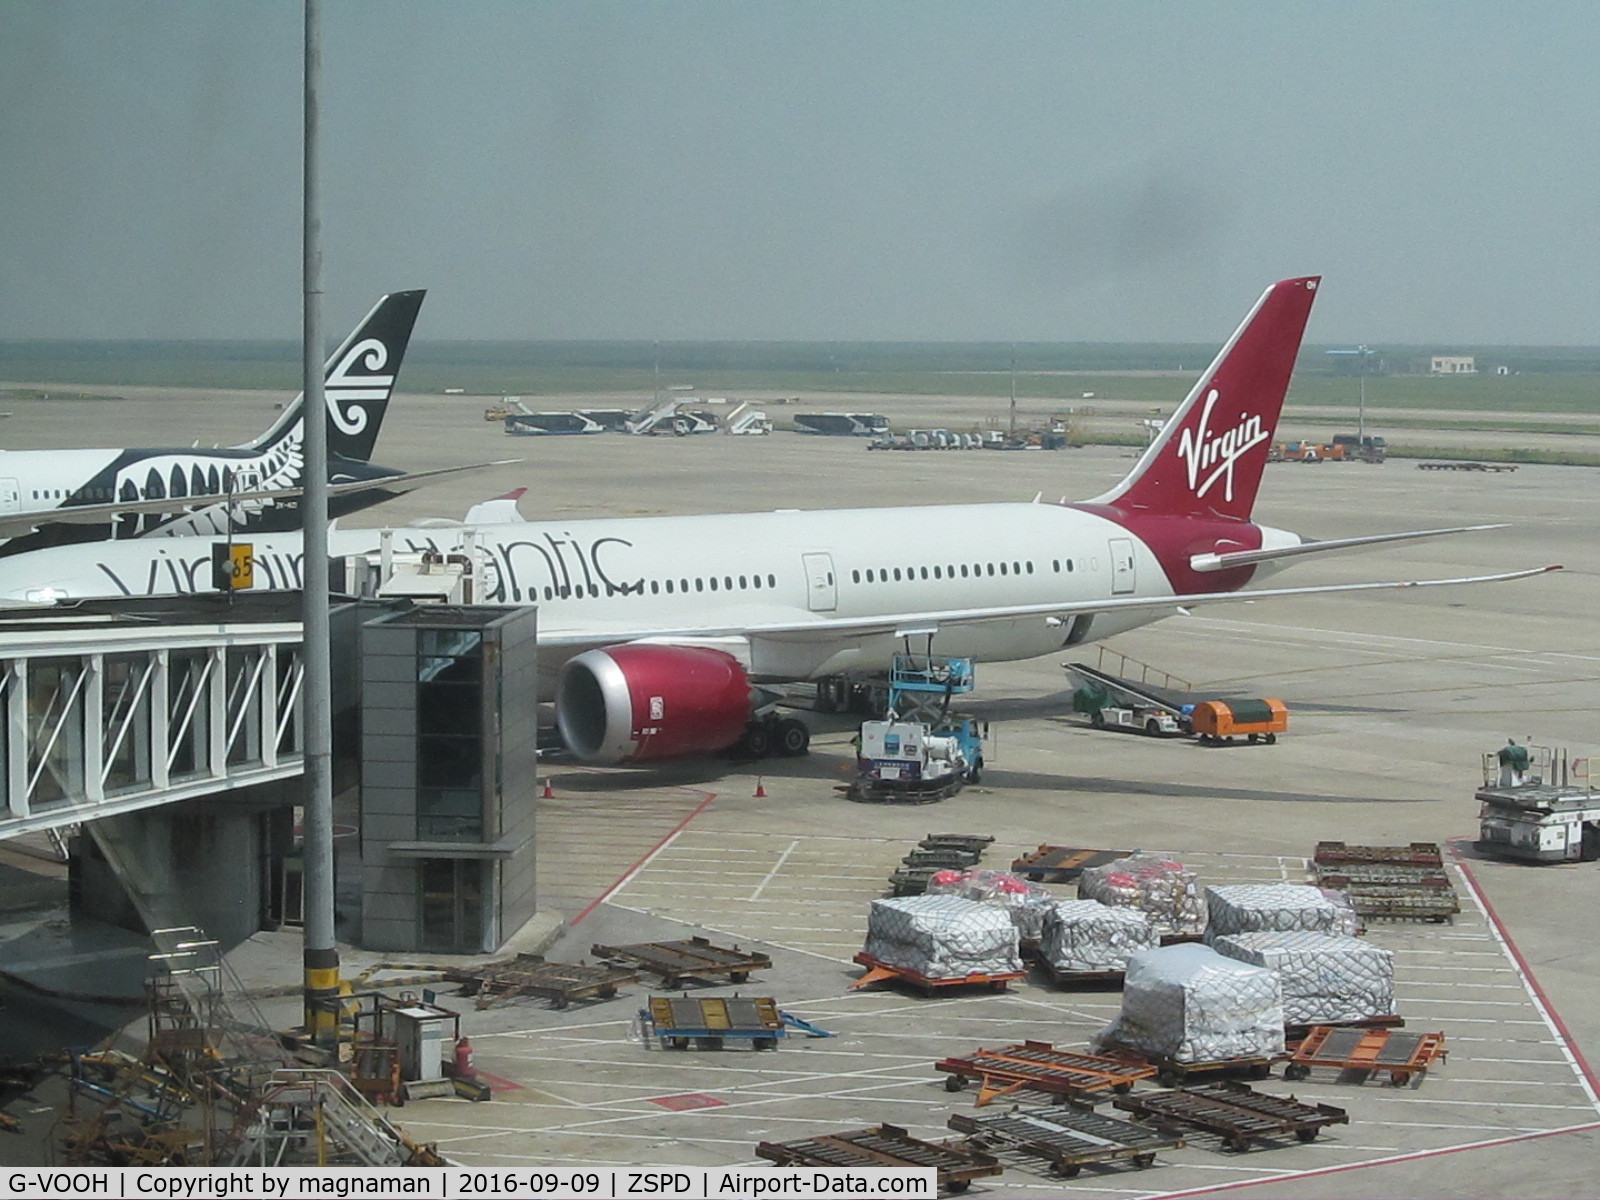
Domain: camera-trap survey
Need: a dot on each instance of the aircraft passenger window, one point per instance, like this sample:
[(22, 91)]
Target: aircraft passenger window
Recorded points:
[(713, 583), (938, 573), (1016, 568), (1055, 565), (855, 576), (756, 579), (963, 570), (564, 593), (743, 583), (683, 586), (924, 571), (897, 574), (549, 592), (727, 583), (1002, 568), (655, 588), (869, 576), (1030, 568), (772, 581), (669, 587), (991, 568), (699, 585), (1069, 564)]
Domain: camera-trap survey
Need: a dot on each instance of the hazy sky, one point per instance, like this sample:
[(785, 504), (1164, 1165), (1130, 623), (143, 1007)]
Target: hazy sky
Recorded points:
[(1060, 171)]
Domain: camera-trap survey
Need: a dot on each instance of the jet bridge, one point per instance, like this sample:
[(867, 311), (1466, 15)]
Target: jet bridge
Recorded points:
[(102, 715)]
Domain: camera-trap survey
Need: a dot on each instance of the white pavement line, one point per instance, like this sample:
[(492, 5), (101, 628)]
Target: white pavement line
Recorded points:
[(1454, 1002), (1533, 992), (1538, 1083), (1380, 1098)]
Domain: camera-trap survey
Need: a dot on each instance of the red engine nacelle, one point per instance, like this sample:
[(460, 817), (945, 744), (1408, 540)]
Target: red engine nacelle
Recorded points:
[(642, 703)]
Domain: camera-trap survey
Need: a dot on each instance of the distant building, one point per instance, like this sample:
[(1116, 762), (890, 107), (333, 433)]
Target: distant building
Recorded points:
[(1454, 364)]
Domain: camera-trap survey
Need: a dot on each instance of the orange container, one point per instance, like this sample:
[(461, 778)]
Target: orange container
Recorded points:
[(1216, 719)]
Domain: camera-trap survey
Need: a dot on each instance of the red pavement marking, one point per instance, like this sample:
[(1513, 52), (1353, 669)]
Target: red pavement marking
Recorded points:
[(497, 1084), (646, 857), (688, 1101)]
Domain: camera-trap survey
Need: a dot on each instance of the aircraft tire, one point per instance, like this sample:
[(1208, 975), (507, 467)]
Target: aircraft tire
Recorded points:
[(791, 738), (757, 742)]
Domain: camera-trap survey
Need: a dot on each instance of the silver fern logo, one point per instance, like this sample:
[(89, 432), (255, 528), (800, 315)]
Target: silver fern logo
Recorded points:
[(354, 378)]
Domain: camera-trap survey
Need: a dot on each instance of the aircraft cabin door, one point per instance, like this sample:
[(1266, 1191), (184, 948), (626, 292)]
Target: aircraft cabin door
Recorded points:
[(10, 496), (1122, 577), (822, 592)]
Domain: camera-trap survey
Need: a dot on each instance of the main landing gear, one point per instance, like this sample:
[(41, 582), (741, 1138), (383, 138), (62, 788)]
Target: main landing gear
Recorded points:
[(773, 736)]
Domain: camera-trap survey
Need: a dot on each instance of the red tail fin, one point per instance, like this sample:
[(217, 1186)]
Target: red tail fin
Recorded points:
[(1209, 458)]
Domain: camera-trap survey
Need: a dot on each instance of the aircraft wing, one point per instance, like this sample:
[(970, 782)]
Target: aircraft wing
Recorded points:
[(18, 524), (824, 626), (1244, 558)]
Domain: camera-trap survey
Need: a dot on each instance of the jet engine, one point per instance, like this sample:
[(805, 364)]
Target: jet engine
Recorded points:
[(634, 703)]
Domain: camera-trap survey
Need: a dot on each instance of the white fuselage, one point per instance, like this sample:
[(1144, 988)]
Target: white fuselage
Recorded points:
[(804, 589)]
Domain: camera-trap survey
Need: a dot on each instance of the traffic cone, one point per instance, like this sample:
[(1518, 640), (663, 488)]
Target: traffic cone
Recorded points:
[(549, 792), (761, 791)]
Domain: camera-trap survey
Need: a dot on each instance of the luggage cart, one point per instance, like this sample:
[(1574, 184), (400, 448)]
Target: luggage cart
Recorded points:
[(711, 1022), (885, 1146), (1404, 903), (1235, 1113), (878, 971), (1062, 864), (1040, 1067), (677, 961), (1068, 1139), (1367, 1052), (976, 843)]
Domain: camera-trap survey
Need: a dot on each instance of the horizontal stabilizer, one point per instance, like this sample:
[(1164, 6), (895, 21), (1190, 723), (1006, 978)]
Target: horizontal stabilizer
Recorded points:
[(1244, 558)]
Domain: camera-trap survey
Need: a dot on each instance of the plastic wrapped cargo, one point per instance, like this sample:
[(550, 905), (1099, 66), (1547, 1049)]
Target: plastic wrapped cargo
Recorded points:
[(1325, 977), (942, 937), (1277, 908), (1156, 884), (1085, 935), (1189, 1004), (1027, 903)]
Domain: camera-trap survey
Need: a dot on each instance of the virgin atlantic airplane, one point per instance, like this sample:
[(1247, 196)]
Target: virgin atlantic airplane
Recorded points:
[(666, 628)]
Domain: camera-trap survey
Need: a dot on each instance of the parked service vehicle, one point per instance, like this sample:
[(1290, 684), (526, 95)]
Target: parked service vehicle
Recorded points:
[(1218, 722)]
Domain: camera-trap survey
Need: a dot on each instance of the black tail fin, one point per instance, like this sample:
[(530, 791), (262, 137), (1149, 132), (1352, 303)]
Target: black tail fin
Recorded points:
[(357, 381)]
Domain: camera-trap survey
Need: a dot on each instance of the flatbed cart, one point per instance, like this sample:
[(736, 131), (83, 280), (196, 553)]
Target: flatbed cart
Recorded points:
[(912, 881), (1062, 978), (1040, 1067), (976, 843), (878, 971), (1417, 854), (1293, 1035), (528, 974), (1367, 1052), (1068, 1139), (711, 1022), (956, 1165), (1061, 864), (1234, 1112), (694, 958)]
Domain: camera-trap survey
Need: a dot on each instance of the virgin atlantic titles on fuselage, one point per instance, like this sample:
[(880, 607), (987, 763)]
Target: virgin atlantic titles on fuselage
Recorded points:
[(664, 626)]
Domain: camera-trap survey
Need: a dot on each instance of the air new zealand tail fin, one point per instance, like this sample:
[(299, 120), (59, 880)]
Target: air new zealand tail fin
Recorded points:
[(357, 381)]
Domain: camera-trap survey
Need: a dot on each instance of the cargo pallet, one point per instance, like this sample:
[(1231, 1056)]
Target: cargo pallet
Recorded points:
[(912, 881), (1417, 854), (1169, 1072), (878, 971), (1040, 1067), (1367, 1052), (976, 843), (1066, 1138), (1061, 864), (709, 1023), (677, 961), (1347, 875), (943, 858), (1234, 1112), (528, 974), (1062, 977), (1404, 903), (888, 791), (885, 1146)]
